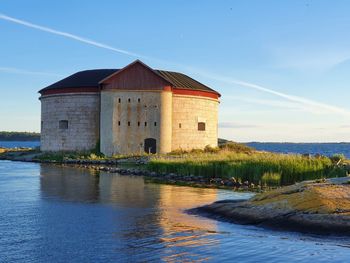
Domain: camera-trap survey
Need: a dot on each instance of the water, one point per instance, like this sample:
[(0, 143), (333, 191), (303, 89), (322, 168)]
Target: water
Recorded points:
[(54, 214), (14, 144), (327, 149)]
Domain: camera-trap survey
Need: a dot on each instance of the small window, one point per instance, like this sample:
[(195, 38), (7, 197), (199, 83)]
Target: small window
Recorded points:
[(63, 124), (128, 123), (138, 100), (201, 126), (180, 125), (119, 100), (118, 123), (155, 123), (138, 123), (145, 123), (129, 100)]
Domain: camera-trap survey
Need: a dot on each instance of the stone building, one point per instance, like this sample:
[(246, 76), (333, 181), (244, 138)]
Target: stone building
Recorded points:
[(130, 110)]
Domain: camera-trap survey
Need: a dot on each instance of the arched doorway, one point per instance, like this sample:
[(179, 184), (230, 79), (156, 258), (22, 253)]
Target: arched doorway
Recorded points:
[(150, 145)]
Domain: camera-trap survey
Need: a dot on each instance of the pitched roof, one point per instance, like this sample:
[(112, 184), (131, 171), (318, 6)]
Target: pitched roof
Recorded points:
[(92, 78), (180, 80), (86, 78)]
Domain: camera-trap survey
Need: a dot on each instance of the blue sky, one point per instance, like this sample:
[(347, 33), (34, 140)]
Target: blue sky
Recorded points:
[(282, 67)]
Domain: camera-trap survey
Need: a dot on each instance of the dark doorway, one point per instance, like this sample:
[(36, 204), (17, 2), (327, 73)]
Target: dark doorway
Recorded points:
[(150, 145)]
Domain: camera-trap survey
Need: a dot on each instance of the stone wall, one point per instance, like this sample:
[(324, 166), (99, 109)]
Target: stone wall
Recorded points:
[(82, 113), (123, 118), (187, 112)]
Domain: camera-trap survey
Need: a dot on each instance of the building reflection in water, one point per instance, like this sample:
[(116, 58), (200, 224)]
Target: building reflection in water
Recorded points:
[(148, 221)]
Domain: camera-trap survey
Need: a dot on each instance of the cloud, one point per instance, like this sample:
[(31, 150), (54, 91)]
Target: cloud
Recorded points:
[(281, 104), (311, 59), (312, 105), (23, 71), (236, 125), (68, 35), (300, 100)]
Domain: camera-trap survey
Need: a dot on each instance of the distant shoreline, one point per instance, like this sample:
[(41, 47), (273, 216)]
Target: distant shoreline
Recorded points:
[(19, 136)]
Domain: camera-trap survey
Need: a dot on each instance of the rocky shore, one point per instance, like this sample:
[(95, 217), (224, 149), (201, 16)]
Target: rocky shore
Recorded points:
[(320, 207), (135, 166), (139, 169)]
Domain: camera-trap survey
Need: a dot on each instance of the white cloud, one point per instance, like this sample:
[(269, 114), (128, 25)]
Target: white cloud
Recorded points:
[(235, 125), (23, 71)]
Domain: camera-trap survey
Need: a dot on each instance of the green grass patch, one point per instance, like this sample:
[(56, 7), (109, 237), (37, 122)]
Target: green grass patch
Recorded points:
[(256, 167)]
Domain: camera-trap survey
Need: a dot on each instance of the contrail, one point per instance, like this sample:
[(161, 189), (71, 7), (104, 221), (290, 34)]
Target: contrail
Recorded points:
[(289, 105), (301, 100), (298, 99), (23, 71), (68, 35)]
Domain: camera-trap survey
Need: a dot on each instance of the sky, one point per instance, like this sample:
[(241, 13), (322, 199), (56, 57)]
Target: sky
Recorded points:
[(282, 67)]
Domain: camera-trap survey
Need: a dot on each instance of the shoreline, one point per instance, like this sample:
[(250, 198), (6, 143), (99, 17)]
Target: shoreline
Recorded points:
[(138, 168), (233, 166), (310, 207)]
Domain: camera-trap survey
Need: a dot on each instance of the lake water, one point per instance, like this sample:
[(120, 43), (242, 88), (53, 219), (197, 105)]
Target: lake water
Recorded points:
[(55, 214), (327, 149), (13, 144)]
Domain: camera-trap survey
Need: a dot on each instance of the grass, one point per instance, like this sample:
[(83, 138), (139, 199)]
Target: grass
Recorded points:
[(255, 167)]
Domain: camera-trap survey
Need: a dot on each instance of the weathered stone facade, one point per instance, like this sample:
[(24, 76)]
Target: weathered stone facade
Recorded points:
[(170, 119), (132, 110), (188, 111), (127, 119), (82, 113)]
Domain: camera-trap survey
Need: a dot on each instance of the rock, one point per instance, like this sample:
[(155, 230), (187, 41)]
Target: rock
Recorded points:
[(312, 207), (229, 183)]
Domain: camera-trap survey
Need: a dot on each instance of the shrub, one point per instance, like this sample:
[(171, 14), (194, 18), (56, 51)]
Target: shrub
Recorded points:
[(336, 158), (236, 147), (209, 149)]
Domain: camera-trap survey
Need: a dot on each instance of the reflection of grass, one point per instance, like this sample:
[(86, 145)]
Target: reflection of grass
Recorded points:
[(256, 167)]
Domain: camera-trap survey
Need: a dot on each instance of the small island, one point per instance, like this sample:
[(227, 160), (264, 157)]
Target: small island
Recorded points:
[(320, 207)]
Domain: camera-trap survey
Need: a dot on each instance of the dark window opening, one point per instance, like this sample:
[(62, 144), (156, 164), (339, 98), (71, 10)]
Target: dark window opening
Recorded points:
[(118, 123), (128, 123), (138, 100), (119, 100), (129, 99), (63, 124), (180, 125), (145, 123), (155, 123), (138, 123), (201, 126)]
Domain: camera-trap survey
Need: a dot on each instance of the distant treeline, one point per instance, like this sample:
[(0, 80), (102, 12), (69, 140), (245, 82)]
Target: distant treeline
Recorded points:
[(19, 136)]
